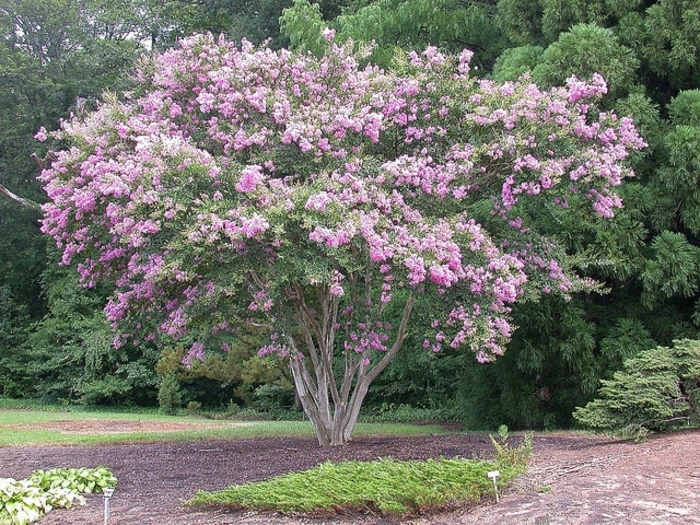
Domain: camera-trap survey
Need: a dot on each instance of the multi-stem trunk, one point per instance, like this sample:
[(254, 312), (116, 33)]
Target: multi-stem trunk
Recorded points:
[(333, 404)]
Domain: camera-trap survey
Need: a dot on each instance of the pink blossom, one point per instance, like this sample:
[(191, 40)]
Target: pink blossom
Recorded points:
[(328, 34), (41, 135), (251, 178), (337, 290), (319, 201)]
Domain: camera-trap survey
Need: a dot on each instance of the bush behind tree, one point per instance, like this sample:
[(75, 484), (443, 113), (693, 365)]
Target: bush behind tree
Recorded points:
[(169, 394)]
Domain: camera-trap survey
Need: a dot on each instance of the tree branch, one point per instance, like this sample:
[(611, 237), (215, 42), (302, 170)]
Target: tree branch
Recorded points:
[(398, 342), (24, 202)]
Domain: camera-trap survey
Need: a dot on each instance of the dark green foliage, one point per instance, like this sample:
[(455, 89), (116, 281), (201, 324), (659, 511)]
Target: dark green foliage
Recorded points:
[(671, 270), (558, 16), (271, 397), (169, 395), (657, 389), (254, 20), (549, 365), (27, 98), (405, 24), (673, 42), (402, 413), (521, 21), (516, 61), (238, 376), (22, 255), (684, 110), (586, 49), (69, 353), (13, 319), (555, 361), (417, 378), (678, 170), (625, 339), (542, 21)]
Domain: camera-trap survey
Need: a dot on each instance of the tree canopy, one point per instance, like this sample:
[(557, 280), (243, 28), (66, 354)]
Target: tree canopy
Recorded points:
[(308, 195)]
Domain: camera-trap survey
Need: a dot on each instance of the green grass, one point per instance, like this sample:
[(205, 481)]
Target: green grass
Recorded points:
[(385, 486), (33, 427)]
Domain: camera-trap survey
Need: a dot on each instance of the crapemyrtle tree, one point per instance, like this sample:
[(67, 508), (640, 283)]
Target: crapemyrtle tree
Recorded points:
[(308, 197)]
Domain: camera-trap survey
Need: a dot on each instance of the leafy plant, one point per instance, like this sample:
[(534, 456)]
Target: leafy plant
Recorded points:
[(404, 413), (169, 395), (27, 500), (84, 480), (408, 24), (508, 456)]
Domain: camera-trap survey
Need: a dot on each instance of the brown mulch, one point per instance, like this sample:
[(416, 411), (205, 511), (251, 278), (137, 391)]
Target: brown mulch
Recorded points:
[(574, 479)]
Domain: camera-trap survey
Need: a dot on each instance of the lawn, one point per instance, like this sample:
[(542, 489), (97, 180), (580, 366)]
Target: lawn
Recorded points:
[(51, 427)]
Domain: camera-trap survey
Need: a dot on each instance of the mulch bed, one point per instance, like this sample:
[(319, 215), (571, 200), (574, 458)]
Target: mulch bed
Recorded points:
[(574, 479)]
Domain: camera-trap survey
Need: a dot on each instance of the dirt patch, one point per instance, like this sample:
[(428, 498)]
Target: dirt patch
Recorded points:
[(116, 426), (574, 479)]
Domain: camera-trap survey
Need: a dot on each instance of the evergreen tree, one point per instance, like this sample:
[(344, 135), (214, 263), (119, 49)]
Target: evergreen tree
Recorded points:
[(658, 389), (404, 24), (13, 318)]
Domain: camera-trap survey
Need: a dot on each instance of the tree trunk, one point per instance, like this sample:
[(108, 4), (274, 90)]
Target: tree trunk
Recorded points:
[(336, 430), (311, 402), (334, 416)]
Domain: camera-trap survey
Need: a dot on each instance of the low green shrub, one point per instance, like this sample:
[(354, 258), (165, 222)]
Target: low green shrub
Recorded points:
[(656, 390), (402, 413), (25, 501), (26, 403), (384, 486), (236, 413)]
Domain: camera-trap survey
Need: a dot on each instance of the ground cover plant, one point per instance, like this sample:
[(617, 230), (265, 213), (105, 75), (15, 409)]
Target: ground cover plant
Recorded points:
[(329, 205), (385, 486), (25, 501)]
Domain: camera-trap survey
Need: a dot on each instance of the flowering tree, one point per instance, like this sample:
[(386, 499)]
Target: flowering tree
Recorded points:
[(320, 201)]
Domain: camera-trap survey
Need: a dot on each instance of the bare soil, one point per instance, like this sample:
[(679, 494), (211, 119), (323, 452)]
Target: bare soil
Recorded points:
[(574, 479)]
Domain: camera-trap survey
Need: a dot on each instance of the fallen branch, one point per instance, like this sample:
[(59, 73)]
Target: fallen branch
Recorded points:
[(545, 476)]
